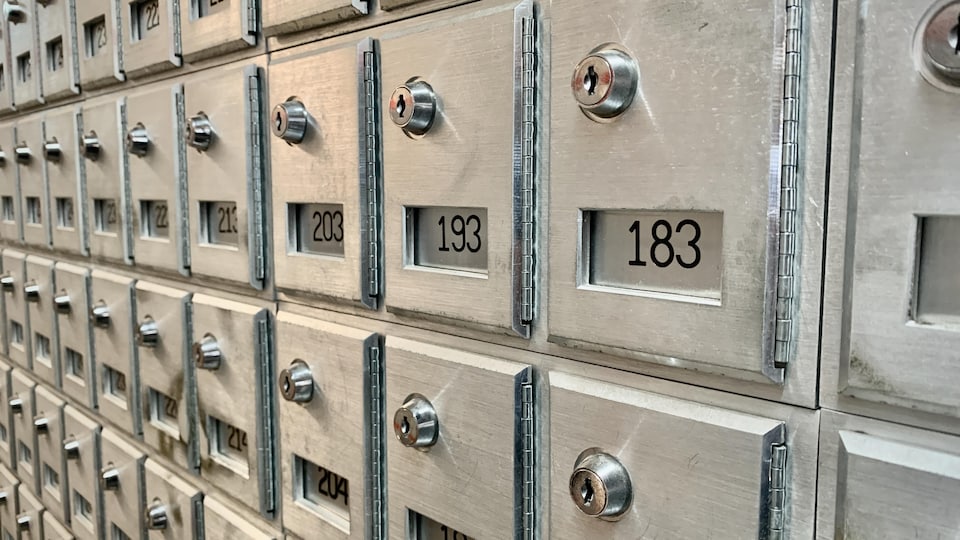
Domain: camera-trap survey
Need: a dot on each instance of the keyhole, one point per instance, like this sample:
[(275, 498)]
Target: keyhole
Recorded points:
[(955, 37), (586, 492), (279, 120), (590, 81), (286, 384), (405, 424), (401, 106)]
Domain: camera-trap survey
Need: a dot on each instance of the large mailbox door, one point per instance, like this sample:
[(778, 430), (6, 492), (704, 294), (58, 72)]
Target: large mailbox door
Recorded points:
[(712, 465), (6, 78), (901, 296), (18, 324), (21, 404), (880, 480), (68, 223), (472, 479), (157, 185), (7, 458), (122, 484), (676, 236), (226, 175), (30, 518), (48, 427), (113, 342), (168, 392), (81, 446), (33, 187), (59, 65), (224, 522), (150, 31), (9, 484), (11, 220), (99, 51), (39, 290), (285, 16), (24, 53), (210, 28), (179, 502), (325, 478), (326, 193), (105, 179), (232, 355), (72, 304)]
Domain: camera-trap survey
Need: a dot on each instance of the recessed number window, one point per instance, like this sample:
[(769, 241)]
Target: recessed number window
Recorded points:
[(114, 383), (8, 212), (203, 8), (16, 334), (447, 238), (154, 219), (24, 453), (65, 213), (318, 229), (105, 216), (82, 507), (74, 364), (116, 533), (228, 442), (51, 480), (95, 36), (218, 223), (24, 67), (937, 296), (3, 433), (428, 529), (145, 15), (34, 213), (164, 411), (323, 488), (41, 347), (55, 54)]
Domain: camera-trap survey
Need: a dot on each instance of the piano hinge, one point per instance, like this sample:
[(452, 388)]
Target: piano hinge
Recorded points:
[(525, 168), (376, 458), (252, 22), (266, 450), (180, 107), (255, 164), (777, 491), (528, 459), (370, 172)]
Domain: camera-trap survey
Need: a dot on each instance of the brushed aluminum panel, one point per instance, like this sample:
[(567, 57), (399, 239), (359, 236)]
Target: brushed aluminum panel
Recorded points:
[(30, 518), (6, 74), (11, 223), (284, 16), (229, 26), (6, 419), (67, 232), (223, 521), (105, 178), (123, 507), (33, 187), (25, 57), (9, 484), (149, 48), (50, 459), (78, 367), (24, 438), (115, 350), (19, 350), (183, 502), (58, 60), (43, 321), (101, 54), (83, 475)]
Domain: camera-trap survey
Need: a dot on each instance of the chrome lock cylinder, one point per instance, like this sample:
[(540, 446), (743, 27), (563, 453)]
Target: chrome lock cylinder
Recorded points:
[(605, 82), (939, 43), (296, 382), (415, 423), (207, 354), (199, 132), (413, 107), (600, 485), (138, 141), (289, 121)]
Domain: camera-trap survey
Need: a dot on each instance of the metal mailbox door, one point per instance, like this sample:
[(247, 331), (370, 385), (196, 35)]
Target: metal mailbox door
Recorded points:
[(231, 353), (33, 188), (11, 221), (21, 406), (81, 448), (287, 16), (30, 518), (24, 53), (880, 480), (105, 178), (446, 393), (174, 507), (122, 484), (901, 301), (155, 153), (326, 193), (54, 530), (216, 27), (6, 78), (39, 290), (226, 175), (48, 429), (6, 419), (9, 484), (168, 392), (59, 65), (457, 224), (100, 53), (676, 239), (609, 443), (331, 383), (112, 317), (68, 223), (224, 522), (72, 304), (150, 35), (18, 325)]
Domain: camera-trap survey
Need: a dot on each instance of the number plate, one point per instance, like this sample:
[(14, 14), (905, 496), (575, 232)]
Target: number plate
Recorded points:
[(163, 411), (95, 36), (155, 219), (428, 529), (114, 383), (105, 216), (229, 442), (146, 17), (318, 228), (448, 238), (674, 252), (218, 223), (209, 7), (34, 213), (64, 213), (324, 488)]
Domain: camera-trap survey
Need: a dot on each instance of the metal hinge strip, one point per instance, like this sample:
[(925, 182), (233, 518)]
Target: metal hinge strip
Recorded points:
[(376, 444), (778, 491), (370, 172), (255, 157), (180, 106), (266, 450), (528, 460), (528, 165)]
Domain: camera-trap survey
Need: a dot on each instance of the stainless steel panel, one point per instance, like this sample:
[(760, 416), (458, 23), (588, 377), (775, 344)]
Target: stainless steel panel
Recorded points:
[(54, 530), (230, 168), (123, 507), (7, 444), (85, 499), (6, 74), (324, 169), (346, 399), (59, 58), (167, 374), (68, 209), (78, 368), (237, 444), (224, 522), (284, 16), (117, 377), (457, 165), (21, 407), (25, 54), (150, 33), (44, 336), (18, 324), (879, 480), (180, 501), (158, 176), (106, 181), (467, 390), (9, 484), (215, 27), (11, 219), (48, 429), (30, 517), (33, 187), (100, 52)]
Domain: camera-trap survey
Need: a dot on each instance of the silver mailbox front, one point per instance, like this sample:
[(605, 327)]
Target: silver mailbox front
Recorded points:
[(11, 219), (58, 66), (100, 53), (330, 382), (38, 291), (172, 501), (24, 52), (18, 325), (285, 16), (71, 301), (113, 341), (150, 33), (468, 420), (35, 203), (30, 518), (458, 211), (68, 225), (105, 178), (326, 192), (21, 406), (81, 448), (122, 483), (223, 522), (211, 28), (48, 429)]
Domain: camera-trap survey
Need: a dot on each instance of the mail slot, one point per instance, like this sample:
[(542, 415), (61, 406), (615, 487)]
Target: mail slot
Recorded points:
[(47, 425), (21, 407), (68, 224), (29, 520), (436, 396), (7, 458), (58, 64), (330, 381), (100, 53), (81, 450), (174, 507), (893, 278), (232, 355), (122, 484), (458, 221), (11, 221), (36, 206), (326, 193), (673, 192), (281, 16), (116, 380), (6, 76), (108, 220), (71, 302), (9, 484), (212, 27), (168, 391), (224, 522), (225, 135), (18, 325), (154, 145), (38, 291), (150, 33), (24, 52)]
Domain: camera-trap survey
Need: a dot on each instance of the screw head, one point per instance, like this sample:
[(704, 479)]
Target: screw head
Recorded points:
[(138, 140), (288, 121), (296, 382), (100, 314), (413, 107), (600, 485), (148, 333), (415, 423), (52, 150), (605, 82), (199, 132), (207, 353)]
